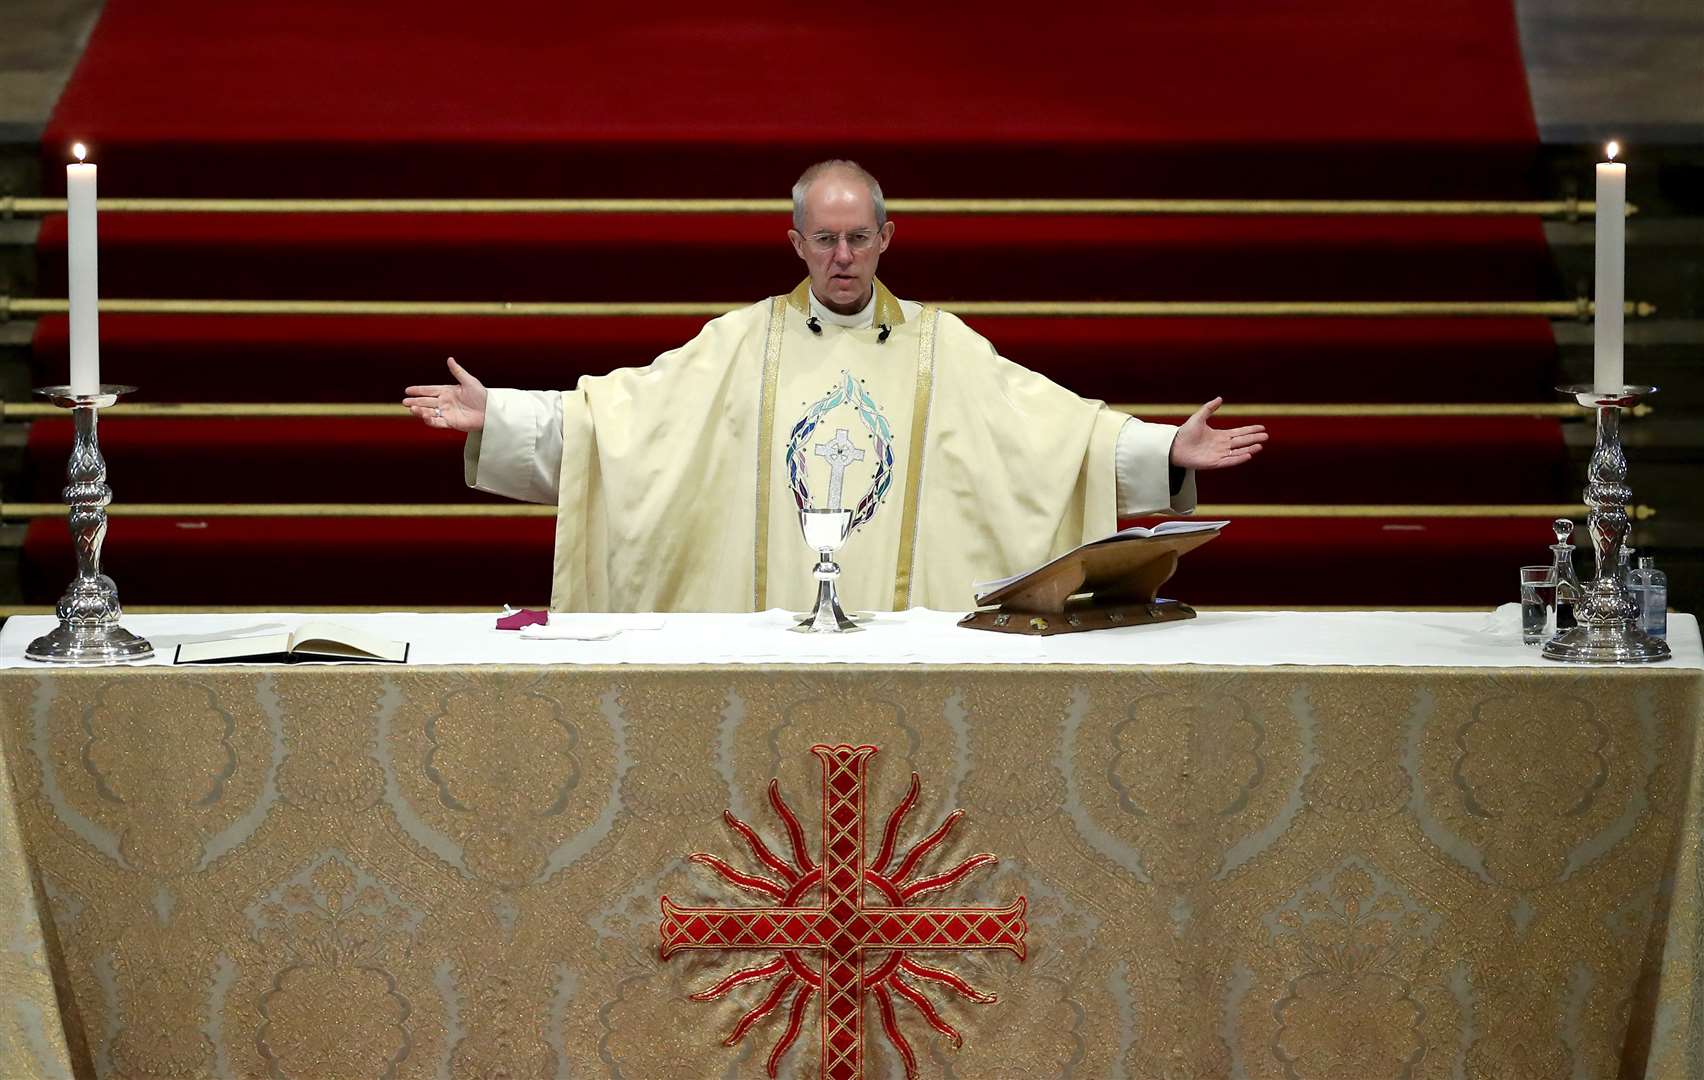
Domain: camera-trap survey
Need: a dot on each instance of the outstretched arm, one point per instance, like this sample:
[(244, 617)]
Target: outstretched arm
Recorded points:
[(1156, 463), (1197, 446), (514, 437), (457, 406)]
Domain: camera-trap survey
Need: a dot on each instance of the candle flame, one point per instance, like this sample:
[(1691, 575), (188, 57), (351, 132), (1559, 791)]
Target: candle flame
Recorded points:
[(81, 151), (1612, 149)]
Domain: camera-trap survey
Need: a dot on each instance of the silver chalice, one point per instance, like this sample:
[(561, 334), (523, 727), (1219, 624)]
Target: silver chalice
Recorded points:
[(825, 531)]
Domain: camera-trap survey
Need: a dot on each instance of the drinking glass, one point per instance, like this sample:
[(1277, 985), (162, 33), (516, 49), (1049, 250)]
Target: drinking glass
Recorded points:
[(1538, 596)]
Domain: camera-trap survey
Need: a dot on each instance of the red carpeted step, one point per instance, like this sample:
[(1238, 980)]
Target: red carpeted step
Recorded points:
[(264, 460), (734, 258), (409, 562), (1392, 563), (192, 358), (1399, 460), (1308, 460), (1330, 98), (290, 562)]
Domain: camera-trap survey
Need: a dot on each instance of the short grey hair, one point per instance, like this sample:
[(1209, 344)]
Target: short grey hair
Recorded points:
[(815, 173)]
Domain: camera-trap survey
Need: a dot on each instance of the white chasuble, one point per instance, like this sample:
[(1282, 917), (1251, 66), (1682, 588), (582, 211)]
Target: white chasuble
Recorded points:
[(678, 484)]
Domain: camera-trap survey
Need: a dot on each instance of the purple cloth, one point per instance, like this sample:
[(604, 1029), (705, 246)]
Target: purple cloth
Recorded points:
[(523, 617)]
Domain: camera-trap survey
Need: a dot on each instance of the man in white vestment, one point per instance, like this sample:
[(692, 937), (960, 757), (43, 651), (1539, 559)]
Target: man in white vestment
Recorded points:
[(678, 484)]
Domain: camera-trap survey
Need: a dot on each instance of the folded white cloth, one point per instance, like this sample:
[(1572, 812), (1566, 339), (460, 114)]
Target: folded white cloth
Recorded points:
[(1504, 622)]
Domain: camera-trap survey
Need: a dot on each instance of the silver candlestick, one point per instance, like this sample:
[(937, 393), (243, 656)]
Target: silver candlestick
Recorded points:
[(88, 631), (1606, 629)]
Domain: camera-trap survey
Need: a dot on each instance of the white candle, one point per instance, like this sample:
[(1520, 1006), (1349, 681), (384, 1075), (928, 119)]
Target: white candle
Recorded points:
[(81, 288), (1611, 291)]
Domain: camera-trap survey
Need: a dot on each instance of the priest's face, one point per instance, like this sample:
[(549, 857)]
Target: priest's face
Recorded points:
[(841, 242)]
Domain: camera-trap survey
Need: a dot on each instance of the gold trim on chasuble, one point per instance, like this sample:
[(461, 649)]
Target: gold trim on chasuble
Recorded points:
[(914, 458), (765, 437), (887, 310)]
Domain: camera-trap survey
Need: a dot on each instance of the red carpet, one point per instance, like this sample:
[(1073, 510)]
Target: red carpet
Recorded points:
[(1328, 99)]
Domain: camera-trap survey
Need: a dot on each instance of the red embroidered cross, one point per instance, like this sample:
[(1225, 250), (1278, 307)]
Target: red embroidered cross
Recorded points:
[(841, 929)]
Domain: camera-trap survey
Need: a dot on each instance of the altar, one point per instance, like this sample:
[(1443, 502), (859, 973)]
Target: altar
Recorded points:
[(1258, 844)]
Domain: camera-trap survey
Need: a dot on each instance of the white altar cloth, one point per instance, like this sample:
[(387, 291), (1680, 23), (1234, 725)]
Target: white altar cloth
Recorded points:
[(1247, 638)]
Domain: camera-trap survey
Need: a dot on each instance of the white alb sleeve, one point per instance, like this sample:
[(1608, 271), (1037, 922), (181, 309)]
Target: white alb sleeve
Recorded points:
[(519, 454), (1143, 457)]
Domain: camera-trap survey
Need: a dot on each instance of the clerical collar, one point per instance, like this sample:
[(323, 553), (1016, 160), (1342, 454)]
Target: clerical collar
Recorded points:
[(858, 320), (883, 309)]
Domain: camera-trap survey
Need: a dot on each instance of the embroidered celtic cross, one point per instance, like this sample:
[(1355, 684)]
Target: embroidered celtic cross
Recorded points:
[(839, 452)]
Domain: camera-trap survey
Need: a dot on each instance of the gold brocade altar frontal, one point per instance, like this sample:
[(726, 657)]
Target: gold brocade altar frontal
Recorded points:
[(1197, 872)]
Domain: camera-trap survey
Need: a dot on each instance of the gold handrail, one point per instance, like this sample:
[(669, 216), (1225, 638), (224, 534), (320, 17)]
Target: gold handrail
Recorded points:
[(1429, 410), (8, 611), (292, 510), (18, 510), (1555, 309), (221, 410), (1121, 207), (1446, 510)]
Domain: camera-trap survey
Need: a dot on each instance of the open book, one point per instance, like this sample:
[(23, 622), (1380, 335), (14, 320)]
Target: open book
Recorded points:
[(311, 641), (983, 589)]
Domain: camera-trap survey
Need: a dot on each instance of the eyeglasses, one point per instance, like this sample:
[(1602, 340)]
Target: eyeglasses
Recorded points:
[(856, 240)]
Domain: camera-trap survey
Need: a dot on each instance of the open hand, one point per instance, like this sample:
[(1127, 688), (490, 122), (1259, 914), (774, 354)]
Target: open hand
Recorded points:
[(457, 406), (1197, 446)]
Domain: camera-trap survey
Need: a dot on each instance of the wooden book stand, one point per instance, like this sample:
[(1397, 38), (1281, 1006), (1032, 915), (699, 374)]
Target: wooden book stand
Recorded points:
[(1111, 582)]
